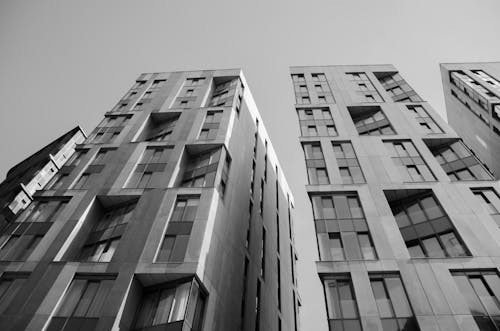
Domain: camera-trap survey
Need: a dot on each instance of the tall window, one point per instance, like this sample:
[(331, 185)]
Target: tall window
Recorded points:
[(175, 304), (370, 121), (343, 312), (348, 164), (105, 236), (19, 239), (411, 166), (201, 169), (392, 303), (425, 122), (150, 168), (481, 292), (425, 227), (176, 239), (211, 125), (10, 284), (82, 303), (341, 228), (315, 163), (490, 201), (458, 162)]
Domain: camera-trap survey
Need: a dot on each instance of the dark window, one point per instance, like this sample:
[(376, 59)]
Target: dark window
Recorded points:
[(392, 303), (481, 290), (424, 225), (224, 91), (179, 228), (150, 168), (201, 169), (341, 303), (348, 164), (370, 120), (411, 166)]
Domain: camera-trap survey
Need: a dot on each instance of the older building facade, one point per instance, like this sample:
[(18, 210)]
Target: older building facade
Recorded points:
[(173, 214), (472, 96), (406, 217)]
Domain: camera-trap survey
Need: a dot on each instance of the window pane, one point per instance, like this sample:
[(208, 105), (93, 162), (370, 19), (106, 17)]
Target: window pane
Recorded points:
[(432, 247), (468, 292), (72, 297), (180, 302), (332, 299), (86, 299), (398, 297), (164, 306), (352, 249), (366, 247), (452, 245), (347, 302), (336, 249), (383, 304)]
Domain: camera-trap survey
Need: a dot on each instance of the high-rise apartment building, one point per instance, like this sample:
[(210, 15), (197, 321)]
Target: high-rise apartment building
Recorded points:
[(173, 214), (34, 173), (472, 96), (406, 217)]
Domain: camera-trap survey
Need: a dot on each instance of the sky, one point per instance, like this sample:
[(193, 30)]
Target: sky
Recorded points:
[(65, 63)]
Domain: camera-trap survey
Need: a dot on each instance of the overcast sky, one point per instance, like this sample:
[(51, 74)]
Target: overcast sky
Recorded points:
[(64, 64)]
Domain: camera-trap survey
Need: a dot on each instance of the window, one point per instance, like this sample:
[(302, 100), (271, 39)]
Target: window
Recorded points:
[(176, 239), (224, 91), (370, 120), (105, 236), (171, 304), (411, 166), (348, 164), (157, 83), (195, 81), (261, 197), (211, 125), (457, 161), (363, 87), (490, 201), (397, 87), (160, 129), (150, 167), (481, 292), (138, 106), (263, 254), (315, 163), (316, 122), (10, 284), (301, 90), (341, 228), (341, 304), (424, 225), (426, 123), (257, 305), (201, 169), (392, 303), (81, 305), (109, 129), (92, 172), (20, 238), (224, 176), (139, 84)]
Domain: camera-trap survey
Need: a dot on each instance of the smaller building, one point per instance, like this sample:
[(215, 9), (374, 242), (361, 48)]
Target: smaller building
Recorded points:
[(34, 173), (472, 96)]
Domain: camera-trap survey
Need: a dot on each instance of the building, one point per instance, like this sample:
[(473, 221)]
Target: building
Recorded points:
[(406, 240), (472, 96), (174, 214), (32, 174)]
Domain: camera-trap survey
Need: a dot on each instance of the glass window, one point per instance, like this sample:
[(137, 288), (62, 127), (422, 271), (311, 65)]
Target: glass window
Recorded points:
[(341, 304)]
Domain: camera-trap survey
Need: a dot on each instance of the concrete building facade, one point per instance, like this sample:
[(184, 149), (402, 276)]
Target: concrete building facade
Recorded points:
[(174, 214), (406, 217), (34, 173), (472, 96)]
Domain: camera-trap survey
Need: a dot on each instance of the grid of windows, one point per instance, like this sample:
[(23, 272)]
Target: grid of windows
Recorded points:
[(150, 168), (495, 84), (343, 312), (426, 123), (176, 239), (19, 239), (473, 90), (481, 290), (162, 131), (392, 303), (348, 164), (370, 120), (105, 236), (211, 125), (365, 91), (315, 163), (81, 305), (189, 93), (301, 91), (175, 305), (201, 169), (109, 129), (411, 166), (341, 228), (224, 92), (10, 284), (397, 87), (458, 162), (490, 201), (322, 88), (424, 225), (92, 172), (316, 122)]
